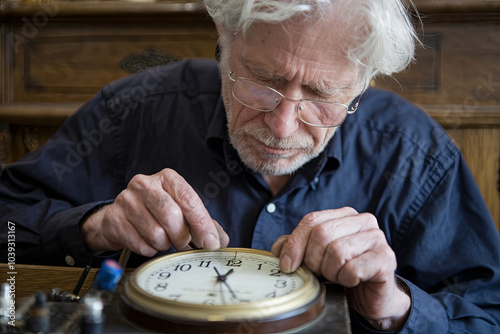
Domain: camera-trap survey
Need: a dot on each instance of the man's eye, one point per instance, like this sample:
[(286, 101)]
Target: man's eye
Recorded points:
[(266, 81)]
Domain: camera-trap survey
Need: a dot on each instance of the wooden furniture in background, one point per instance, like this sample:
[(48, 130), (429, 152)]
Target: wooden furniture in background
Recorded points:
[(456, 79), (57, 54)]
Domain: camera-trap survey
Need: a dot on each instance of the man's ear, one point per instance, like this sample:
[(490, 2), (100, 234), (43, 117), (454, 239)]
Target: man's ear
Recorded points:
[(220, 31)]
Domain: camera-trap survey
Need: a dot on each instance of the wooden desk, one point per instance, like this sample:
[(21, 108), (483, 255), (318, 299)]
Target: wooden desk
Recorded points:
[(30, 279)]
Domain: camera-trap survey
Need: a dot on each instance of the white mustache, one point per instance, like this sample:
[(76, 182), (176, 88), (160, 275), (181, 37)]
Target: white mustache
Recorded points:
[(264, 135)]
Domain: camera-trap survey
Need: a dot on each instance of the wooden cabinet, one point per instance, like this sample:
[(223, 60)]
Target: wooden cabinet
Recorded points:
[(57, 54)]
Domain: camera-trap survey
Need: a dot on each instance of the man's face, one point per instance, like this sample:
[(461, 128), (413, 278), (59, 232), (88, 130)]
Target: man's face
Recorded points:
[(301, 63)]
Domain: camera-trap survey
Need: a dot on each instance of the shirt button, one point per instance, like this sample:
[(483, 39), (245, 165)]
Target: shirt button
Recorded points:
[(69, 260), (316, 179), (271, 208)]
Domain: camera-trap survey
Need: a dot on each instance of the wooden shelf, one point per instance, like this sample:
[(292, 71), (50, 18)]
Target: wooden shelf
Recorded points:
[(486, 116), (49, 114), (457, 6), (114, 8), (54, 114)]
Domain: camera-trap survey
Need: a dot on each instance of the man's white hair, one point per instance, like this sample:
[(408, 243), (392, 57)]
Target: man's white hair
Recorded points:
[(383, 40)]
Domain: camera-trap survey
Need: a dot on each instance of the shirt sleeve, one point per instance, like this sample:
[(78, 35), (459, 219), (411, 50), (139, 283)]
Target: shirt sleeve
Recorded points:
[(448, 254), (91, 158), (46, 194)]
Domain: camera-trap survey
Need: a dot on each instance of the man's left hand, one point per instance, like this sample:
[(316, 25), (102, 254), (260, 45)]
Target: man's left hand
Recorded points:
[(349, 249)]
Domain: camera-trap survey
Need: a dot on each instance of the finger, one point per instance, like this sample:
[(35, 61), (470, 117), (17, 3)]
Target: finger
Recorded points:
[(136, 208), (168, 213), (203, 232), (223, 237), (293, 251), (173, 220), (121, 233), (358, 258), (278, 245), (167, 216), (136, 243), (327, 232)]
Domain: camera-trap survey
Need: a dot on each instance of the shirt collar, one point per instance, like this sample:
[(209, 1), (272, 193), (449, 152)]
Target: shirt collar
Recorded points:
[(217, 137), (217, 125), (334, 148), (327, 162)]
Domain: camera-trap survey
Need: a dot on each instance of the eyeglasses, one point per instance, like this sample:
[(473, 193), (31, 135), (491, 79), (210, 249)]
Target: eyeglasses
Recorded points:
[(316, 113)]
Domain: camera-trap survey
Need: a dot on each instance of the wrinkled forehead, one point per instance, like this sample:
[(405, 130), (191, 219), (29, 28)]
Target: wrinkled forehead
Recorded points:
[(312, 57), (312, 47)]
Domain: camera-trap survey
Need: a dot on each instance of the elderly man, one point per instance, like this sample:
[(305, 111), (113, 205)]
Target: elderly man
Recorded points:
[(250, 152)]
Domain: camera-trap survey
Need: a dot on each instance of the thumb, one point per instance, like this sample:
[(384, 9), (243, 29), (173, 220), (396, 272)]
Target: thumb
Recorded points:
[(278, 245)]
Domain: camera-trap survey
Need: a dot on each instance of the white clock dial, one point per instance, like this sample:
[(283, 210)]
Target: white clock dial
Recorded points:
[(212, 278)]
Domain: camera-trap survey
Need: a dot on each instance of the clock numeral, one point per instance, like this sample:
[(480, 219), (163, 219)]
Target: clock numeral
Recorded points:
[(238, 300), (163, 275), (182, 267), (174, 297), (280, 284), (205, 264), (209, 302), (161, 287), (234, 263), (275, 272), (271, 295)]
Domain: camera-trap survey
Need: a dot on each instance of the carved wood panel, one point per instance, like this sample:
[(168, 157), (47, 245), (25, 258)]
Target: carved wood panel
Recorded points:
[(71, 61), (457, 69)]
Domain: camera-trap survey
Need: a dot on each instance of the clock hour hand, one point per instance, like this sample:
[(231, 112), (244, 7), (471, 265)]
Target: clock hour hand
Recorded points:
[(222, 278)]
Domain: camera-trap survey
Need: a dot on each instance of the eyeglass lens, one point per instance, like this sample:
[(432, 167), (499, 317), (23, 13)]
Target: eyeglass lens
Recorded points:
[(255, 96), (263, 98)]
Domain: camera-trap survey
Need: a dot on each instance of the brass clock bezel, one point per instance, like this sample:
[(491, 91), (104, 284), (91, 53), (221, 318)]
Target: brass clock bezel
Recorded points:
[(309, 298)]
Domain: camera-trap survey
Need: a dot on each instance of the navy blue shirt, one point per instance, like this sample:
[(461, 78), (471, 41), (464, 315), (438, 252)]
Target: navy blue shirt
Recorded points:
[(389, 159)]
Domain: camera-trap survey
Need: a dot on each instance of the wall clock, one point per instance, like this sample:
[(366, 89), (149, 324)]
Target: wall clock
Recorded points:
[(232, 290)]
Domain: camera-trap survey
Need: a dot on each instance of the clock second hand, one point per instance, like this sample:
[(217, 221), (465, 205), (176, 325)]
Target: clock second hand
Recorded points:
[(222, 278)]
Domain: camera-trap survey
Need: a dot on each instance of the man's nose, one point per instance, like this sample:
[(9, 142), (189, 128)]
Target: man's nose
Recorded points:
[(283, 121)]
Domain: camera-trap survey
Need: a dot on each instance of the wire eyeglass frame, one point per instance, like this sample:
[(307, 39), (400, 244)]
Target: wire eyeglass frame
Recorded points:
[(346, 109)]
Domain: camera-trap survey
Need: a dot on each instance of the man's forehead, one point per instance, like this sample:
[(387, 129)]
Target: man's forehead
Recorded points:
[(329, 84), (326, 69)]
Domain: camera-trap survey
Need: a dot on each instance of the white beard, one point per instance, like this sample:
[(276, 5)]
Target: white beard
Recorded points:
[(272, 164)]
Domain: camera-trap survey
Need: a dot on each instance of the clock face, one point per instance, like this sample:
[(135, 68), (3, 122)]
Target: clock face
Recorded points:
[(215, 278), (220, 290)]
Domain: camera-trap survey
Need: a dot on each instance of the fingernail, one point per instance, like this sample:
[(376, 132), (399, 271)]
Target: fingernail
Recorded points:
[(286, 263), (211, 242)]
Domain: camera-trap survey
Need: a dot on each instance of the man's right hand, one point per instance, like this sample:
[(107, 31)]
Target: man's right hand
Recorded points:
[(154, 213)]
